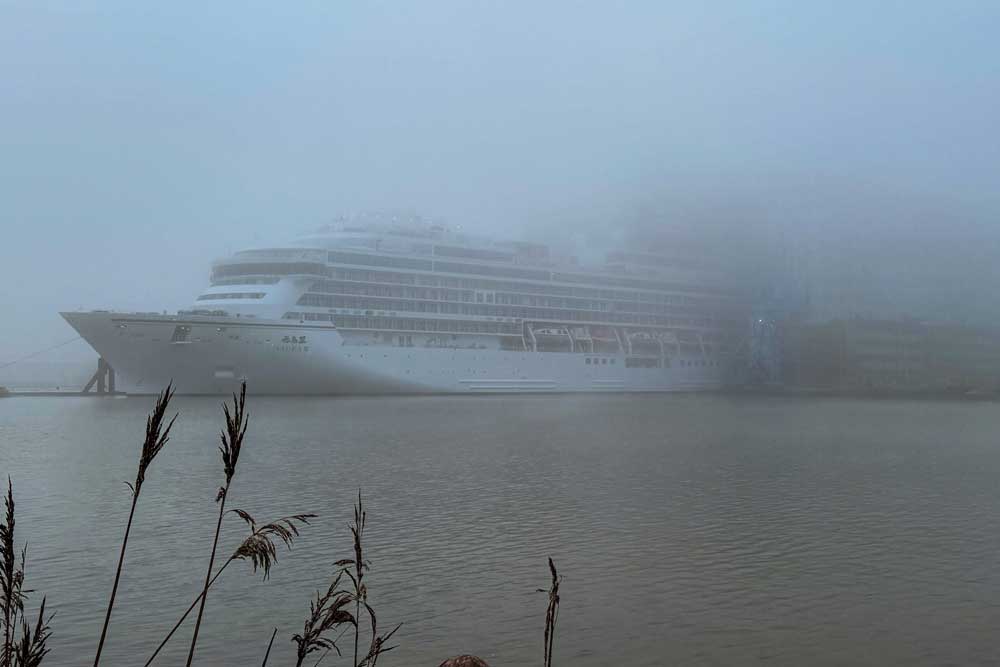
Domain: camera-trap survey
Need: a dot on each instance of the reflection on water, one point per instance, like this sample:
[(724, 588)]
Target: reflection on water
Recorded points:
[(689, 529)]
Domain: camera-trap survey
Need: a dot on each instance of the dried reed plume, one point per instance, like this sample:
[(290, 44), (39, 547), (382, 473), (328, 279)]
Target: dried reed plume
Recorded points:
[(11, 579), (232, 444), (156, 438), (359, 594), (551, 613), (326, 613), (259, 548), (32, 648), (379, 642)]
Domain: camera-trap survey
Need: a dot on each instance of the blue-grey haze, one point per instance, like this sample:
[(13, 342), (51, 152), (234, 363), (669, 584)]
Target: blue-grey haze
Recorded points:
[(140, 140)]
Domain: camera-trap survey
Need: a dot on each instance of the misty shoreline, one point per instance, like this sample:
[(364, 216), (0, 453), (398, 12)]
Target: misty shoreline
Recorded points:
[(747, 392)]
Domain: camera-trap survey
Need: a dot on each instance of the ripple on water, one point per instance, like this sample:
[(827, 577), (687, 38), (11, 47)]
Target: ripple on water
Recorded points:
[(689, 529)]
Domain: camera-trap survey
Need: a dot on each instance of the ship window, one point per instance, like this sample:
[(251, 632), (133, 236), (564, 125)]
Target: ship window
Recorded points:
[(231, 295), (604, 361), (588, 361), (641, 362)]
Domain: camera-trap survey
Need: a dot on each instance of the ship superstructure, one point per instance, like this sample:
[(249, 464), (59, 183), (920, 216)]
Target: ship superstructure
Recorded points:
[(389, 307)]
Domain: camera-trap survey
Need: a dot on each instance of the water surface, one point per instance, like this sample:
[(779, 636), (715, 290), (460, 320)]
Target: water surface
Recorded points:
[(695, 530)]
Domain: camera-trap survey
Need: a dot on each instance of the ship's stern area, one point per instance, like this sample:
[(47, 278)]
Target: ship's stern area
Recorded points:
[(211, 354)]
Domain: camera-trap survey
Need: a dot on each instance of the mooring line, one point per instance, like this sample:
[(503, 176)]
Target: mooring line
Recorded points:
[(35, 354)]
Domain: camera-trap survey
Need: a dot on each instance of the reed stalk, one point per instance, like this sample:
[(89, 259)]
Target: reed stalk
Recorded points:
[(355, 569), (232, 444), (359, 565), (269, 644), (7, 571), (259, 548), (183, 617), (551, 612), (326, 613), (31, 648), (156, 438), (11, 579)]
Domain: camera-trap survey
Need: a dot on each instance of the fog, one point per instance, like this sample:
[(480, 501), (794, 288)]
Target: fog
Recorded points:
[(850, 146)]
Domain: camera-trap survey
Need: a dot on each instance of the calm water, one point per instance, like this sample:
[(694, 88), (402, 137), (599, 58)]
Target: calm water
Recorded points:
[(691, 530)]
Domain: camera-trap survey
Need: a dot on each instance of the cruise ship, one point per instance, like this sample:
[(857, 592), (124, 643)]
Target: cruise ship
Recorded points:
[(387, 307)]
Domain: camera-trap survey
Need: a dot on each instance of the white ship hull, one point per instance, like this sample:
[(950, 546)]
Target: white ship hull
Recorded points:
[(287, 357)]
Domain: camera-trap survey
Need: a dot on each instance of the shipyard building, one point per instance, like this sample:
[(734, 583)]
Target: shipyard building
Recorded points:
[(892, 355)]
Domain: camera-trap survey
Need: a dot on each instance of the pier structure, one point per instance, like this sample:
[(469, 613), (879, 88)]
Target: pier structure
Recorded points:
[(103, 378)]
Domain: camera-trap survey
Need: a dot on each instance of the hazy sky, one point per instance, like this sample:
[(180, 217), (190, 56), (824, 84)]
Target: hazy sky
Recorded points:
[(140, 140)]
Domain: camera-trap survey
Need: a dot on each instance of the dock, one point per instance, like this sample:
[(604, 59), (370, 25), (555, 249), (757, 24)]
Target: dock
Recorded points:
[(102, 383), (57, 393)]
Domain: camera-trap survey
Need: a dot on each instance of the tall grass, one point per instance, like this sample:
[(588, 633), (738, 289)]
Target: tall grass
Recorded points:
[(327, 613), (359, 565), (259, 548), (156, 438), (11, 577), (232, 445), (31, 648), (354, 568), (330, 614), (551, 612)]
